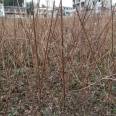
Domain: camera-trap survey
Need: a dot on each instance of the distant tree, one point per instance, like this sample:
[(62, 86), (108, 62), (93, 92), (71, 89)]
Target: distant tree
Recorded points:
[(13, 2), (1, 1), (29, 6), (43, 6)]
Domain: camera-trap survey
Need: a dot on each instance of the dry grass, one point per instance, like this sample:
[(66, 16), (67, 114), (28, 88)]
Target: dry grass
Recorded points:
[(39, 55)]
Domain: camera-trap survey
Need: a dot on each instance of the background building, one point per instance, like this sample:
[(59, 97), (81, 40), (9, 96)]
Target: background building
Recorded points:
[(68, 11)]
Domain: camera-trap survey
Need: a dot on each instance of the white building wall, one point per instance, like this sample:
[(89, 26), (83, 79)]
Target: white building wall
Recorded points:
[(2, 13)]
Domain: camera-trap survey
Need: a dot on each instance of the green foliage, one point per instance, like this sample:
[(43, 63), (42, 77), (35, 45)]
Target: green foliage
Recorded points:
[(13, 2), (114, 110), (13, 112)]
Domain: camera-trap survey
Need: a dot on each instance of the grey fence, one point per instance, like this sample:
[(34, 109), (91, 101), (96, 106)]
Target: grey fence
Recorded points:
[(15, 10)]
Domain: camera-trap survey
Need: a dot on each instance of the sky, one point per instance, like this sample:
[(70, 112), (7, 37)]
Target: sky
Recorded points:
[(65, 2)]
